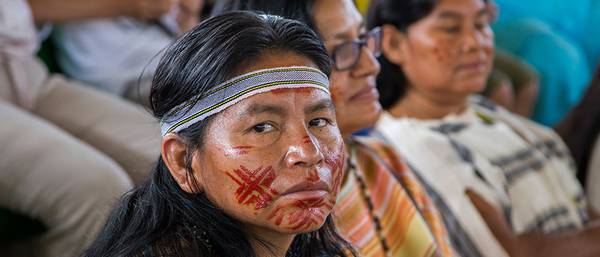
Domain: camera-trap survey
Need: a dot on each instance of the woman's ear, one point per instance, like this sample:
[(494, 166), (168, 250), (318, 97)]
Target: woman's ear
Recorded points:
[(175, 154), (392, 44)]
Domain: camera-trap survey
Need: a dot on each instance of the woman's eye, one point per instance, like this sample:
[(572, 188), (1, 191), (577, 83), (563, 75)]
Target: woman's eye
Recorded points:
[(263, 128), (451, 30), (319, 122), (481, 26)]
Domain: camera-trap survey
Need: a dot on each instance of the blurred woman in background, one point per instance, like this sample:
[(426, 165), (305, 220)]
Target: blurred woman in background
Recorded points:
[(436, 56)]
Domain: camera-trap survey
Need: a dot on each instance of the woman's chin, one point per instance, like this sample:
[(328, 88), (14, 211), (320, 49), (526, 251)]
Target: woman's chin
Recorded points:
[(304, 229), (472, 86), (362, 118)]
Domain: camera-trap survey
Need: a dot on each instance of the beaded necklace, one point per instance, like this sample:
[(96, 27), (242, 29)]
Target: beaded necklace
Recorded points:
[(364, 192)]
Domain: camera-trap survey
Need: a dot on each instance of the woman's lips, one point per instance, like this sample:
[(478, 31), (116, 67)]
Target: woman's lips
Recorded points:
[(368, 93), (472, 66), (307, 186)]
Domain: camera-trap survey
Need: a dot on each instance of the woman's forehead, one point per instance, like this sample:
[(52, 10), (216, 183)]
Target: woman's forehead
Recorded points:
[(284, 102), (457, 9), (337, 19), (274, 59)]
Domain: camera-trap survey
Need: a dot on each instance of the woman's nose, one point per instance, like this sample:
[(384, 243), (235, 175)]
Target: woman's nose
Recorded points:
[(304, 152)]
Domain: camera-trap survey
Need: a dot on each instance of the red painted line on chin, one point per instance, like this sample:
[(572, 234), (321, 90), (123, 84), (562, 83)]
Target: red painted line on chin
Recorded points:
[(306, 213)]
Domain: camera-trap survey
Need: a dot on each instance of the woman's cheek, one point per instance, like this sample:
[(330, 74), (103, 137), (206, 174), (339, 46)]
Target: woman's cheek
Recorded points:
[(335, 160), (254, 186)]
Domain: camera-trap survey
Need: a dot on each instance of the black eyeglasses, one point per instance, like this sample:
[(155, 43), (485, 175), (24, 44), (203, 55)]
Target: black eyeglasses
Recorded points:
[(346, 55)]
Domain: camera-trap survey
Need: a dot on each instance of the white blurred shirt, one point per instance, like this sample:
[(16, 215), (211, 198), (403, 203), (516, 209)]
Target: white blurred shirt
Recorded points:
[(111, 54), (515, 164)]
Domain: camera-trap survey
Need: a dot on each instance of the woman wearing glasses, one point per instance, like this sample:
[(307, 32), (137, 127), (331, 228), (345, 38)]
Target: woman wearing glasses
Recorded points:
[(436, 56), (382, 208), (251, 153)]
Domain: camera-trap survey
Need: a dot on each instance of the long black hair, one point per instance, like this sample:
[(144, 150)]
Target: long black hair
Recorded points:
[(580, 128), (158, 218), (391, 81)]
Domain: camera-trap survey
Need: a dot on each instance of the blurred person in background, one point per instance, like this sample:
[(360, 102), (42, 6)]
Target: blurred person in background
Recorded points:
[(436, 56), (114, 45), (66, 148), (512, 84)]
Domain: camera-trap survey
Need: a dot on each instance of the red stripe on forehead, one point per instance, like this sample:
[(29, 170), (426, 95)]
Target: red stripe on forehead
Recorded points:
[(303, 90)]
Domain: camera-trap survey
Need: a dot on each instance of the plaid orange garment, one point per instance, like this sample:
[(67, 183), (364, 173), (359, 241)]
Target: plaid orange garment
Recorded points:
[(402, 220)]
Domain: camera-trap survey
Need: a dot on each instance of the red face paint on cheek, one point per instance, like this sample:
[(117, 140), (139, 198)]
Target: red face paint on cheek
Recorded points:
[(335, 161), (444, 50), (254, 186), (306, 140), (238, 150), (440, 55)]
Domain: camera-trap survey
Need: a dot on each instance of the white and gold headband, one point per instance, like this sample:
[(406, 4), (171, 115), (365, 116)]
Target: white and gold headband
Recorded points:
[(239, 88)]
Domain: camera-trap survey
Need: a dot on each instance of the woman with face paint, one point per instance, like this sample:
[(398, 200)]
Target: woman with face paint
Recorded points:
[(251, 153), (436, 56), (383, 209)]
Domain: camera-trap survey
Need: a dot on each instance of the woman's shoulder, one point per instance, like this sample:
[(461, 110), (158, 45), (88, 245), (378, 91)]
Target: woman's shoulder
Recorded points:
[(408, 131), (490, 112)]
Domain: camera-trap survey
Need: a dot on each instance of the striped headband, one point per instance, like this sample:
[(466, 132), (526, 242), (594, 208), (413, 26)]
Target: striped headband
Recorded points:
[(239, 88)]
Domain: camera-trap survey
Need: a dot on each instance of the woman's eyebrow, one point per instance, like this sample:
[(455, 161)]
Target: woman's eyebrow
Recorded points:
[(324, 104), (346, 35), (449, 15), (257, 108), (453, 15)]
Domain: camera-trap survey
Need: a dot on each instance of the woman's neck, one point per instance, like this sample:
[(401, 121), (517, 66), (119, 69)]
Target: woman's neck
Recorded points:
[(427, 107), (272, 244)]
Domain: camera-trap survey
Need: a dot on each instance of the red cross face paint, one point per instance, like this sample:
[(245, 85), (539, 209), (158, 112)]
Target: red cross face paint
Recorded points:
[(254, 186), (273, 160)]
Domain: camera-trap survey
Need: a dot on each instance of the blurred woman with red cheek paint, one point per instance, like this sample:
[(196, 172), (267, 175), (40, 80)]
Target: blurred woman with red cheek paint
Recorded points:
[(436, 56), (252, 158)]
